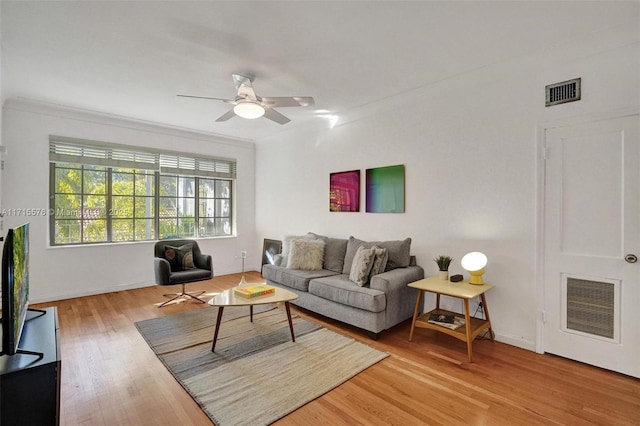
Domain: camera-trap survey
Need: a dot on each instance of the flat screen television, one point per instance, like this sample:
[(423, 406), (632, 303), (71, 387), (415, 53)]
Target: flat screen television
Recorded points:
[(15, 287)]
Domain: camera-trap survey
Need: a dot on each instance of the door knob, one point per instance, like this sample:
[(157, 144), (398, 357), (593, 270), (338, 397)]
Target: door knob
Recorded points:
[(631, 258)]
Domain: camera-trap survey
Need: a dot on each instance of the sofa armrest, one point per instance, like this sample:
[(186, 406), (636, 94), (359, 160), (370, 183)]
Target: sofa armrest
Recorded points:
[(396, 279), (401, 299), (162, 270)]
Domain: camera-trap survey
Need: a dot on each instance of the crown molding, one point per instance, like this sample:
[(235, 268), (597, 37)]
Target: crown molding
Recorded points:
[(74, 113)]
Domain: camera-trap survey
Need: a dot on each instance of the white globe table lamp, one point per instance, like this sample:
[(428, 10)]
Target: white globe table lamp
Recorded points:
[(474, 263)]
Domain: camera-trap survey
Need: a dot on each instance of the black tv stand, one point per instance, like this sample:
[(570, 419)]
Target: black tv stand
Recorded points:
[(30, 389)]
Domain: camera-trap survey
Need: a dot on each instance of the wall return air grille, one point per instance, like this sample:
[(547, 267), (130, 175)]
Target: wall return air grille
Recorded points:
[(591, 307), (560, 93)]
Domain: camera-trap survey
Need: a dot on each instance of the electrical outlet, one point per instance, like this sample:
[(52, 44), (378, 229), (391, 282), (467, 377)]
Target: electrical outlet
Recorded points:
[(243, 254)]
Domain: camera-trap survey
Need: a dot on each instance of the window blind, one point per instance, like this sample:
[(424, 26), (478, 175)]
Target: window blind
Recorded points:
[(79, 151)]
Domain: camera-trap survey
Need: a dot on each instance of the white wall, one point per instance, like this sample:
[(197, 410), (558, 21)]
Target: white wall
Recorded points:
[(63, 272), (470, 148)]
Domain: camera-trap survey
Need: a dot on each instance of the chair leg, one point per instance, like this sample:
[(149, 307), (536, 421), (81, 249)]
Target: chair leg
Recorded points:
[(184, 293)]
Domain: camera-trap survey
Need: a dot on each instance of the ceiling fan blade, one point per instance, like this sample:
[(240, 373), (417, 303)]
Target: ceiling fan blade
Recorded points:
[(274, 115), (204, 97), (227, 115), (289, 101)]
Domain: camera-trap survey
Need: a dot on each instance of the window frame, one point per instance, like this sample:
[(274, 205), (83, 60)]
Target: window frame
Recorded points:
[(157, 163)]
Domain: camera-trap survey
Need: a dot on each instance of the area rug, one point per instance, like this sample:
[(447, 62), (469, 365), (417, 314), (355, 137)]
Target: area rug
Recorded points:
[(257, 374)]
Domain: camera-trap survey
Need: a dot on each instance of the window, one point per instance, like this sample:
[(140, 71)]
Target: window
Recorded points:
[(214, 205), (111, 193)]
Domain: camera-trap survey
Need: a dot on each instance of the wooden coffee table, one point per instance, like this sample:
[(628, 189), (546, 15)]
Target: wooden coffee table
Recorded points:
[(228, 298)]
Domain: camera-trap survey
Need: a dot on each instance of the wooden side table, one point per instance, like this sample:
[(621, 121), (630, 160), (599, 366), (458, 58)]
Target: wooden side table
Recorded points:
[(463, 290)]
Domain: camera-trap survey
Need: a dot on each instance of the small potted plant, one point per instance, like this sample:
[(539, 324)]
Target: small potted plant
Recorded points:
[(443, 263)]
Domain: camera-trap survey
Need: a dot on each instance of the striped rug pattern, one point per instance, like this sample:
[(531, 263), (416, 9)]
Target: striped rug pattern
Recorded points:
[(257, 374)]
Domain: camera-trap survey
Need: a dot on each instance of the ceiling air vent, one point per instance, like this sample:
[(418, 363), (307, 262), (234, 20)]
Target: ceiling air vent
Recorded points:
[(559, 93)]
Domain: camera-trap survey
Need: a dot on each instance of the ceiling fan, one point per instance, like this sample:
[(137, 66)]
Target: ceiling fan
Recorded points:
[(249, 105)]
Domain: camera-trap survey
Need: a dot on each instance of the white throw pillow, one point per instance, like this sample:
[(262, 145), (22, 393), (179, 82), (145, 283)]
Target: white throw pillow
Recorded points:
[(286, 246), (306, 254), (361, 266)]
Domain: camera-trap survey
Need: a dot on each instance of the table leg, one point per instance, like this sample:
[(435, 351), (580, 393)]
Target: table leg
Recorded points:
[(251, 313), (215, 334), (486, 315), (286, 306), (437, 300), (416, 312), (467, 319)]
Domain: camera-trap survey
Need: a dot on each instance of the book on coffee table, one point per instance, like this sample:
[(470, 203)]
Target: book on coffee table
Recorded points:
[(255, 290)]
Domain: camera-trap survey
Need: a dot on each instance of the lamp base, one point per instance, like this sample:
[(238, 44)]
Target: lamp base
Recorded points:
[(243, 282), (475, 277)]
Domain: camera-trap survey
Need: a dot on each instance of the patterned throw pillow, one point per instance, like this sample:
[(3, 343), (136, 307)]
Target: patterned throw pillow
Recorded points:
[(180, 258), (381, 255), (361, 266)]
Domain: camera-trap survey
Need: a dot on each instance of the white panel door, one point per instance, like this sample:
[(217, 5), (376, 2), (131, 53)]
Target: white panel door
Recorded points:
[(591, 224)]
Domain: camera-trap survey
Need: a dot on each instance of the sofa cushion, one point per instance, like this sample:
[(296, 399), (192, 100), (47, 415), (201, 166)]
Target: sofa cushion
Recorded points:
[(334, 251), (339, 289), (189, 275), (399, 252), (306, 254), (361, 266), (295, 278)]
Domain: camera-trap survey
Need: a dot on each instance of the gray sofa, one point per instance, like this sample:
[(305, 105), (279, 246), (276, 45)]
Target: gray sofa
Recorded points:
[(374, 304)]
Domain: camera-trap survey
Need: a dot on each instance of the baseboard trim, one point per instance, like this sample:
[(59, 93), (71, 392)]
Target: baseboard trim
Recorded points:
[(94, 292), (516, 341)]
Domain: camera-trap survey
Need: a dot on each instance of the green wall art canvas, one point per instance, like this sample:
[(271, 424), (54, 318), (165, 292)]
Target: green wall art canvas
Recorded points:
[(385, 189)]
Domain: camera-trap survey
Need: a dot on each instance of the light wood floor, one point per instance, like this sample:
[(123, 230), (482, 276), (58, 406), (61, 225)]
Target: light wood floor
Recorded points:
[(111, 377)]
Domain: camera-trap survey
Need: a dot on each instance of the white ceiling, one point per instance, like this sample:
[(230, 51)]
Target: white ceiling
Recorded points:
[(132, 58)]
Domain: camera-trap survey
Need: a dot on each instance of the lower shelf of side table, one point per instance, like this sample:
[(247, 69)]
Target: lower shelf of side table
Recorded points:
[(477, 325)]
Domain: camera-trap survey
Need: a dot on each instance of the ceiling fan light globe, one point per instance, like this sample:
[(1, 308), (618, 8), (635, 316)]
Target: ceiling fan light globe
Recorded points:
[(249, 110)]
